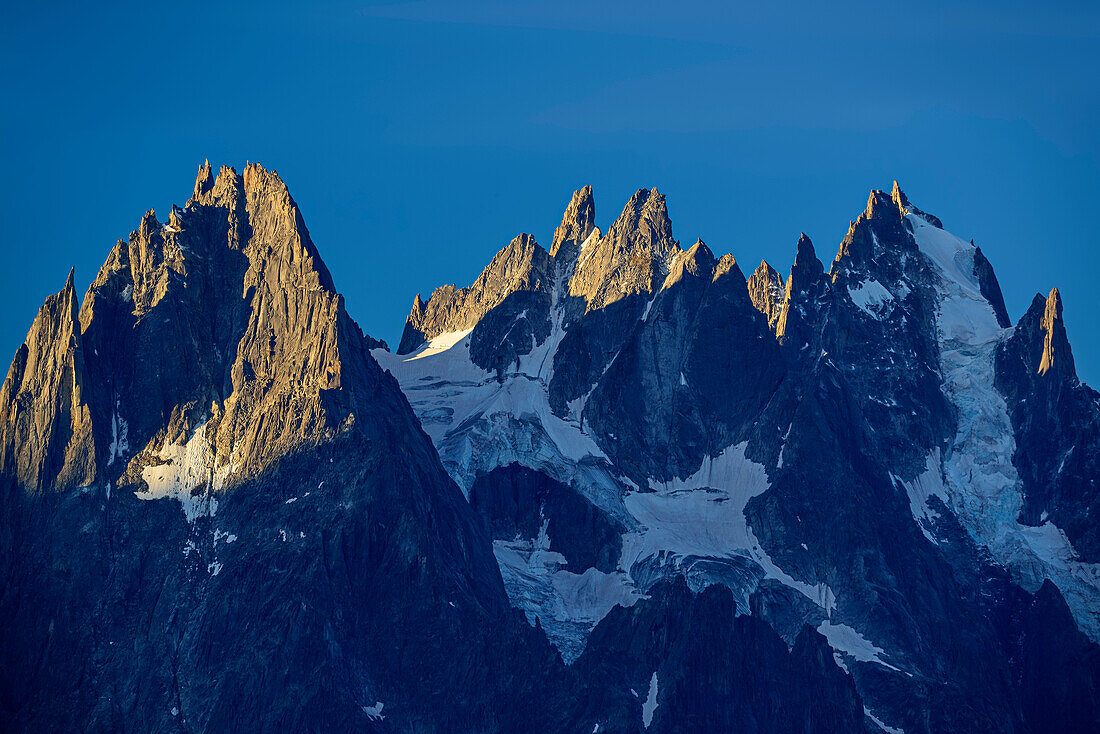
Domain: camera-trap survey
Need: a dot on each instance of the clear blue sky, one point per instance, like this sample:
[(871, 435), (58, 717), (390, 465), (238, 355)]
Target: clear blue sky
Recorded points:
[(419, 137)]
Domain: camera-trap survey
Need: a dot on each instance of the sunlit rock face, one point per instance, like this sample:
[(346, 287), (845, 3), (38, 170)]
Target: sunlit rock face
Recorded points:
[(46, 437), (609, 486), (219, 513), (766, 290)]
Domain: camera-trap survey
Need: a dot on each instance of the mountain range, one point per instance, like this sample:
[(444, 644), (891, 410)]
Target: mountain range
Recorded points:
[(614, 485)]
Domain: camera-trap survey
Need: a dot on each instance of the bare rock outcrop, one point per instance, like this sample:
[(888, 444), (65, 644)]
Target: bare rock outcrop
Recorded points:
[(807, 286), (767, 291), (46, 435), (1056, 350), (632, 258), (224, 320), (577, 224), (522, 265)]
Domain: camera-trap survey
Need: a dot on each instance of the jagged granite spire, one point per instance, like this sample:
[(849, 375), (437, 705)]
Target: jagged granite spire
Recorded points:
[(1039, 347), (697, 260), (577, 223), (222, 319), (1057, 355), (632, 258), (806, 285), (898, 196), (881, 225), (990, 288), (46, 434), (880, 204), (766, 290), (806, 264), (521, 265)]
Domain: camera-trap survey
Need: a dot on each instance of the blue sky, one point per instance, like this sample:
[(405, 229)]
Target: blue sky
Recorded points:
[(419, 137)]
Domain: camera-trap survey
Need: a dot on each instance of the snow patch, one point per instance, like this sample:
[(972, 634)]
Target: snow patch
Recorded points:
[(374, 712), (650, 704), (925, 485), (844, 639), (567, 604), (870, 296), (120, 432), (880, 725), (441, 343), (704, 516), (187, 467)]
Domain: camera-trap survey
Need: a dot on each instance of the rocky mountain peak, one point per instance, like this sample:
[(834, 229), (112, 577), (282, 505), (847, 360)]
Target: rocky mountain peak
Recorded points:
[(417, 313), (990, 287), (1057, 355), (881, 205), (699, 253), (698, 261), (727, 269), (644, 222), (806, 286), (634, 257), (522, 265), (240, 401), (898, 197), (1056, 426), (277, 226), (216, 323), (727, 265), (46, 433), (220, 189), (203, 180), (880, 229), (766, 290), (577, 223), (805, 258)]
